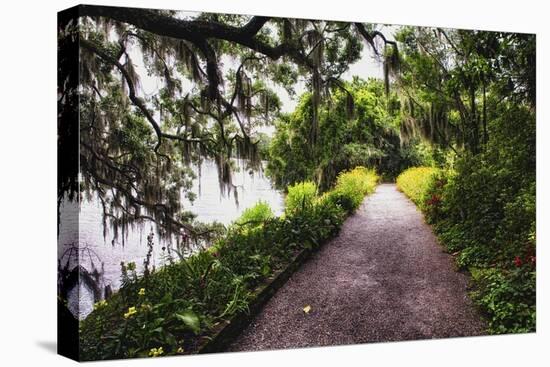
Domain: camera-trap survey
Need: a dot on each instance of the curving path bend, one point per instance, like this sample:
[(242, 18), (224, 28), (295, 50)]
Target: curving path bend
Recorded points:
[(383, 278)]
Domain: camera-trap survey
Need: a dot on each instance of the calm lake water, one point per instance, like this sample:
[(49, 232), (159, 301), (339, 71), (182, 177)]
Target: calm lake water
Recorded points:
[(97, 252)]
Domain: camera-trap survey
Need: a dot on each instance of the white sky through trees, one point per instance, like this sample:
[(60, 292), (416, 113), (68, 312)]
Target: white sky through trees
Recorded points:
[(366, 67)]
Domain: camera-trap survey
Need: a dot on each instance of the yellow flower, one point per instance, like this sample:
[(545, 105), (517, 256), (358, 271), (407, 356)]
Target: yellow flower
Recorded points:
[(155, 352), (180, 350), (141, 292), (100, 304), (131, 312)]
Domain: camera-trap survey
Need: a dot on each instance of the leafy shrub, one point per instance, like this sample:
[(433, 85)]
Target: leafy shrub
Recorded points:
[(490, 200), (433, 196), (351, 187), (516, 233), (256, 214), (300, 196), (339, 198), (414, 182), (507, 297)]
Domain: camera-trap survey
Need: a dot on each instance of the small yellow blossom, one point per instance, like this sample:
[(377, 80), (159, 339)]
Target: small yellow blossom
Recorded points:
[(155, 352), (180, 350), (100, 304), (141, 292), (131, 312)]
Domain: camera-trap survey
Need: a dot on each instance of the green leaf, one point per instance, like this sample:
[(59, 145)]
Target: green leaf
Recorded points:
[(167, 298), (266, 269), (191, 320), (170, 339)]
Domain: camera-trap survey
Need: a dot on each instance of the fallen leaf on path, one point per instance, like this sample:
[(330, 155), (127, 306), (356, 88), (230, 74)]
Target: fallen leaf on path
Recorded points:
[(307, 309)]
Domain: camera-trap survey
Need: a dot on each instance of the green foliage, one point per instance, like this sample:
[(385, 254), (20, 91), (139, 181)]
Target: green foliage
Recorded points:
[(453, 82), (414, 182), (432, 198), (170, 310), (362, 133), (352, 186), (300, 196), (190, 320), (507, 296), (255, 215), (490, 198), (484, 212)]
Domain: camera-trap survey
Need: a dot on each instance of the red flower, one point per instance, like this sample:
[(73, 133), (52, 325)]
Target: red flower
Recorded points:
[(533, 260), (434, 200), (517, 261)]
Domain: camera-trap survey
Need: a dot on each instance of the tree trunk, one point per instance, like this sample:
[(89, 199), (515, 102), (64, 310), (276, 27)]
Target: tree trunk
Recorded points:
[(485, 132), (474, 144)]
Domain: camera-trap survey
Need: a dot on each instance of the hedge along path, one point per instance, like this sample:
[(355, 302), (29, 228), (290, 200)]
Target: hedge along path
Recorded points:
[(383, 278)]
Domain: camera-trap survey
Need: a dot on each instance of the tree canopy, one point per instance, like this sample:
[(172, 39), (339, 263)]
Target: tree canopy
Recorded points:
[(137, 150), (453, 81)]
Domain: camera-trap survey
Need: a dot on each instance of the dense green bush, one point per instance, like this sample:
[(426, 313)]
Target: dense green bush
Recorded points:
[(414, 182), (351, 187), (300, 196), (507, 295), (255, 215), (172, 309)]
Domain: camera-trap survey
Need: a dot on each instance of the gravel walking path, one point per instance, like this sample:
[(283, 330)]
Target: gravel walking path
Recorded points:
[(383, 278)]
